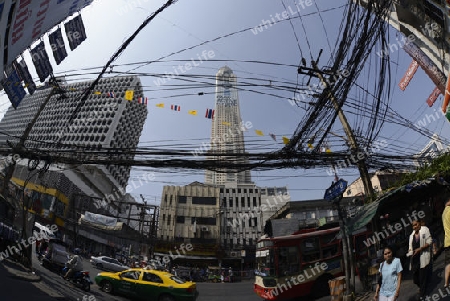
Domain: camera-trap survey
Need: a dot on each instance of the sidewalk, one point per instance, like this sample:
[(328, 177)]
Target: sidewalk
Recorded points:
[(18, 271), (408, 290)]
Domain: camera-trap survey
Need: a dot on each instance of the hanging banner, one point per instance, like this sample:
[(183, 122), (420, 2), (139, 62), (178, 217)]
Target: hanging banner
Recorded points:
[(25, 76), (75, 32), (4, 9), (32, 18), (404, 82), (57, 45), (13, 88), (433, 96), (41, 61)]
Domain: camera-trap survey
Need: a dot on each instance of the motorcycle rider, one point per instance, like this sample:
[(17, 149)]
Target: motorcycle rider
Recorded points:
[(75, 264)]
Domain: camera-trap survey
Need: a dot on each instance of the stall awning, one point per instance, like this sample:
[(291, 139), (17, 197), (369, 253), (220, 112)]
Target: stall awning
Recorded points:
[(368, 212)]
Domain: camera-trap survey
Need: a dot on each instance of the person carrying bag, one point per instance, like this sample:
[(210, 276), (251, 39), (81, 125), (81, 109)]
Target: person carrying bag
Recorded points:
[(388, 287)]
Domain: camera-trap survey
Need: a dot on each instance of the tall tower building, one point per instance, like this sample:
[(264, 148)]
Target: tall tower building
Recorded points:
[(227, 135)]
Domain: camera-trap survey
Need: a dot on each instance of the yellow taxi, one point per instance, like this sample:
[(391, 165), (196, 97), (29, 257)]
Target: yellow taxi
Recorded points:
[(147, 284)]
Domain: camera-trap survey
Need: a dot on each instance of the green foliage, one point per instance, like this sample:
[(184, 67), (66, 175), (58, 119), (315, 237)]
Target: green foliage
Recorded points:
[(440, 165)]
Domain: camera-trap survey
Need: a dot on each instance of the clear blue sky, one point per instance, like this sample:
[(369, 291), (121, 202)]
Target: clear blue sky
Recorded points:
[(191, 22)]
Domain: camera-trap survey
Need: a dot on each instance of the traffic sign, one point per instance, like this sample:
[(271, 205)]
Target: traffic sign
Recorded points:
[(335, 190)]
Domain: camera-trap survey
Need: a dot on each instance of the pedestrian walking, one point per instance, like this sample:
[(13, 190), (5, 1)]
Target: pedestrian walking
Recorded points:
[(446, 224), (391, 277), (419, 251)]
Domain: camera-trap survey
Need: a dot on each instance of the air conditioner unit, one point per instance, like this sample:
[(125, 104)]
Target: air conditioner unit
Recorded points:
[(205, 229), (233, 254)]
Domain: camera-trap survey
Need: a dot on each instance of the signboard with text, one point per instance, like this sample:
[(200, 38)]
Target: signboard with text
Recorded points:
[(32, 18), (335, 190)]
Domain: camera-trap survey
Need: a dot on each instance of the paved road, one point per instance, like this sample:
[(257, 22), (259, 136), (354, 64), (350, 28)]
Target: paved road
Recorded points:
[(208, 291), (53, 285)]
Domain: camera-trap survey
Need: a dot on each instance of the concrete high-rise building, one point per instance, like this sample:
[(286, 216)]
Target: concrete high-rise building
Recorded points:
[(111, 119), (106, 122), (227, 129)]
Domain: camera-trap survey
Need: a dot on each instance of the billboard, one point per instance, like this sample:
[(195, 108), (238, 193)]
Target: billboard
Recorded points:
[(32, 18)]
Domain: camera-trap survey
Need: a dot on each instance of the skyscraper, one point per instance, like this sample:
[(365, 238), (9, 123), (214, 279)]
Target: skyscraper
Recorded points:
[(227, 131)]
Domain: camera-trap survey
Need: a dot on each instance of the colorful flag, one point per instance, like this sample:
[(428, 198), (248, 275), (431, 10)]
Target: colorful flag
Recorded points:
[(209, 113), (259, 133), (97, 92), (175, 107), (226, 123), (192, 112), (273, 137), (143, 100), (285, 140), (129, 95), (111, 94), (160, 105)]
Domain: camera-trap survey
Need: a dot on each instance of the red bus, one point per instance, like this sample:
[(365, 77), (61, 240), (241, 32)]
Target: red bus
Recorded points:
[(302, 264)]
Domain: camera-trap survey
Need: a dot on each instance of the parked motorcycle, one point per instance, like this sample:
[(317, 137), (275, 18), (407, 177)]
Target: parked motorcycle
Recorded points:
[(81, 279)]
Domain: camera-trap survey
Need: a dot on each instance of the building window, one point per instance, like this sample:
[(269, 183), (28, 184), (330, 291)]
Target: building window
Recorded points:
[(227, 190), (170, 202), (180, 219), (221, 190), (231, 202), (211, 221), (197, 200), (182, 199), (254, 202), (242, 202), (165, 199), (239, 190), (164, 217), (233, 191), (168, 219), (248, 202), (250, 190), (255, 221), (237, 203)]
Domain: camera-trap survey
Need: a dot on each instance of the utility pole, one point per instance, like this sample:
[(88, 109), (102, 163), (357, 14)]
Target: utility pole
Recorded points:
[(363, 171), (355, 150)]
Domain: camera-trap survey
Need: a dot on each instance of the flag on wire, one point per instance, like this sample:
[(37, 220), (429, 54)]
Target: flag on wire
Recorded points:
[(129, 95), (143, 100), (175, 107), (273, 137), (209, 113), (259, 133)]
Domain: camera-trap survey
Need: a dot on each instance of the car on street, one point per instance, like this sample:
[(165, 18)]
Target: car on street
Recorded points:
[(147, 284), (108, 263)]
